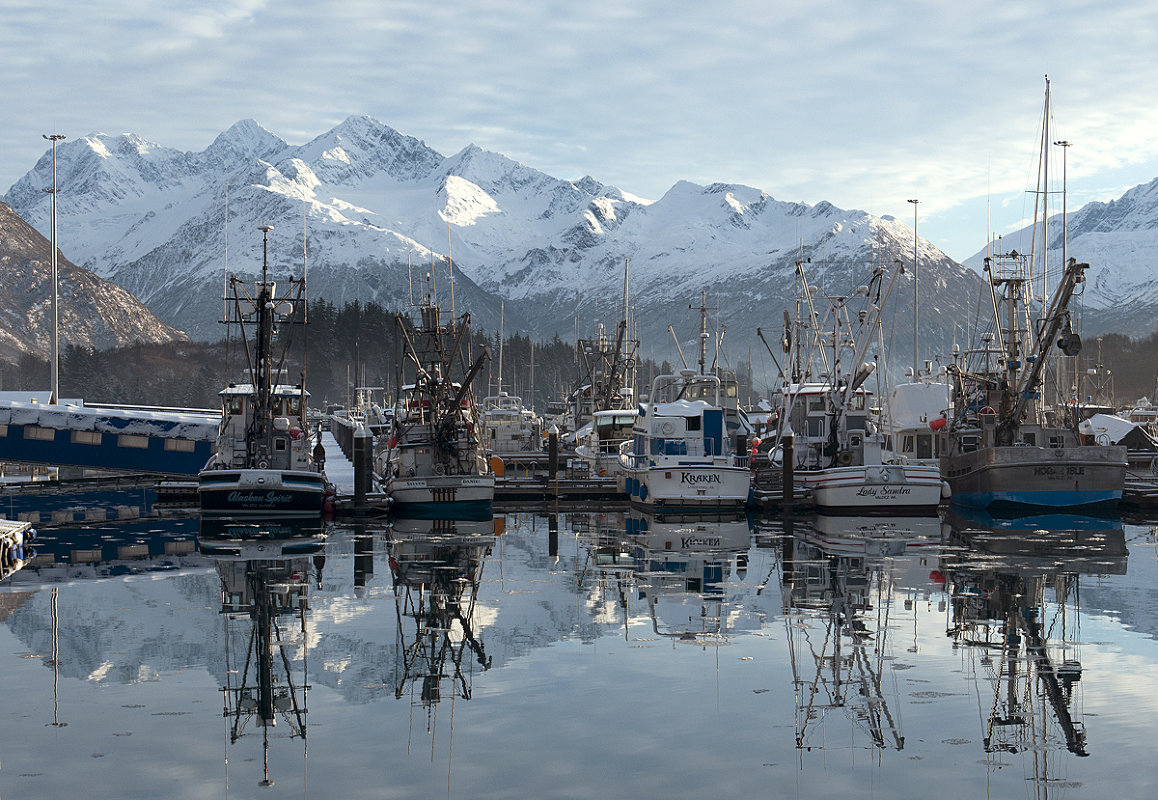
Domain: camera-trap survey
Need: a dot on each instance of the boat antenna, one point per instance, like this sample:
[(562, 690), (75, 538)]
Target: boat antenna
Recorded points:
[(916, 296), (305, 311), (626, 310), (450, 266), (410, 279), (225, 280), (679, 350)]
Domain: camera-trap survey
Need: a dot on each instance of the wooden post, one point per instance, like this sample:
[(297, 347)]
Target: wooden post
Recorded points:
[(553, 454), (363, 460), (786, 467)]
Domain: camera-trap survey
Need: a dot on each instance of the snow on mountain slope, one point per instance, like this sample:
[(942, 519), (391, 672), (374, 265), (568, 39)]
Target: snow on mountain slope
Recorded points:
[(1119, 240), (378, 208)]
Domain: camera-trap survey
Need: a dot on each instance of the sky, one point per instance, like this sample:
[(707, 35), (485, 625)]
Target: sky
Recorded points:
[(863, 105)]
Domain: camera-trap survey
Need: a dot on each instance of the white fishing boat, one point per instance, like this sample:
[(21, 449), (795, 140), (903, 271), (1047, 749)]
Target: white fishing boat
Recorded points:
[(509, 427), (839, 450), (601, 440), (434, 462), (264, 461), (680, 454)]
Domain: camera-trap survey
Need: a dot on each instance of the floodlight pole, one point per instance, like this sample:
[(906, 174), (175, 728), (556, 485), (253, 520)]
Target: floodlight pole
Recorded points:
[(55, 398)]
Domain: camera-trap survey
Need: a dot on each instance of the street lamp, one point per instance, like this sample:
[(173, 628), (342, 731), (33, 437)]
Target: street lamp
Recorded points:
[(916, 355), (54, 138)]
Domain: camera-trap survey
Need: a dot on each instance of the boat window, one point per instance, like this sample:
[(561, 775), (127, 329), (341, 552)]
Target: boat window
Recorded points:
[(39, 433), (234, 405), (693, 423), (815, 404), (132, 440), (925, 445), (295, 406), (858, 402), (180, 445), (86, 437), (856, 422), (815, 426), (907, 445), (279, 444), (855, 440), (1029, 438)]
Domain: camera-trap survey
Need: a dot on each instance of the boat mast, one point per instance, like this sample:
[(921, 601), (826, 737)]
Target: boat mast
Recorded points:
[(262, 374)]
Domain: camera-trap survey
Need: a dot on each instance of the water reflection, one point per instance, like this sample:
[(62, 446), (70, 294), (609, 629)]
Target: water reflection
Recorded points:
[(839, 581), (677, 565), (264, 570), (1013, 586), (437, 565)]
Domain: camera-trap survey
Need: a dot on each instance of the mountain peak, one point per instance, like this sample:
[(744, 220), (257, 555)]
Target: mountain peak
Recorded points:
[(245, 140)]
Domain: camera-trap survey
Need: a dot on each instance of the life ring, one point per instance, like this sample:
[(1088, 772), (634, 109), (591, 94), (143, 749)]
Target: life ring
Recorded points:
[(987, 410), (844, 458), (666, 428)]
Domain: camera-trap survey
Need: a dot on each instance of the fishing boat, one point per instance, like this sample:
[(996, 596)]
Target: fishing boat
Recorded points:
[(509, 427), (264, 465), (680, 454), (434, 462), (1012, 442), (1002, 451), (601, 440), (839, 449)]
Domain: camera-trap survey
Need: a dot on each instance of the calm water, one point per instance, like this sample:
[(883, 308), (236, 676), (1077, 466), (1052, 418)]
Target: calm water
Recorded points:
[(588, 655)]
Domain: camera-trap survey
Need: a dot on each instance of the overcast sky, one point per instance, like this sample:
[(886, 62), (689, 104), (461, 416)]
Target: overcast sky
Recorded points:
[(864, 105)]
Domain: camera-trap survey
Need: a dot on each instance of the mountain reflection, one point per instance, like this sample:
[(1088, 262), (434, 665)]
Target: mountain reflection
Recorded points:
[(264, 572), (1013, 586)]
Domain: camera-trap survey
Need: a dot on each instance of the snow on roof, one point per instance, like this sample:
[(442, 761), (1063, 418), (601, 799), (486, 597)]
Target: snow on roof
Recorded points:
[(166, 423)]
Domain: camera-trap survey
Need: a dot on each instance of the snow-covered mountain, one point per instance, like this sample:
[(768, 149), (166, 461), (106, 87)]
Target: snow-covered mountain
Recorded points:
[(92, 312), (1119, 240), (377, 208)]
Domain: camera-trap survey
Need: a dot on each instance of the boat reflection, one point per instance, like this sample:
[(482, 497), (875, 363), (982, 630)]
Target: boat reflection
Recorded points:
[(1013, 587), (437, 565), (265, 577), (682, 564), (840, 578)]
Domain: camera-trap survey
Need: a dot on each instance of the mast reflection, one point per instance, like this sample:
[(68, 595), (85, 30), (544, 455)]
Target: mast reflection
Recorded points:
[(1013, 587), (437, 565), (265, 578), (839, 580)]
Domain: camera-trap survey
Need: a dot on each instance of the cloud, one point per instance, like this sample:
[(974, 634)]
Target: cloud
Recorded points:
[(862, 105)]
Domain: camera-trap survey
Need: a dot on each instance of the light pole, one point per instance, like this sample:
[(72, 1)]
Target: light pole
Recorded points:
[(916, 354), (54, 138), (1064, 145)]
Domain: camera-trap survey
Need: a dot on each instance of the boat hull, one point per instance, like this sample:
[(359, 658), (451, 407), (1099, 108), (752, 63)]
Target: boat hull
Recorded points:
[(874, 489), (687, 486), (261, 493), (442, 495), (1086, 478)]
